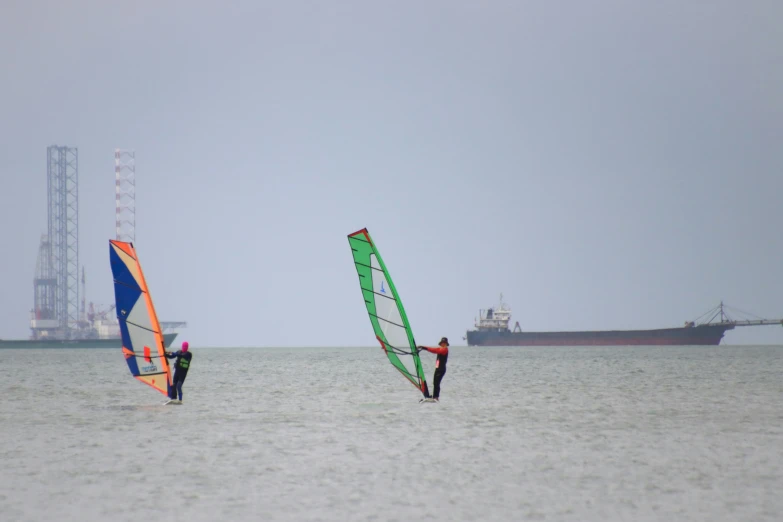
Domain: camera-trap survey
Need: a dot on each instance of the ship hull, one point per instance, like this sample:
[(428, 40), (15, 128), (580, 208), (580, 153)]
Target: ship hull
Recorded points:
[(702, 335), (74, 343)]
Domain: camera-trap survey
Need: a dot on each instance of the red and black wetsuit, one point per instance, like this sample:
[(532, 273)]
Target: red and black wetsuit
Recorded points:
[(440, 366)]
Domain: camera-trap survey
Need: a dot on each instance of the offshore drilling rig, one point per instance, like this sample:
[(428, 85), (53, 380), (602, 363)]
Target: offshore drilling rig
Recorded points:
[(55, 312), (60, 316)]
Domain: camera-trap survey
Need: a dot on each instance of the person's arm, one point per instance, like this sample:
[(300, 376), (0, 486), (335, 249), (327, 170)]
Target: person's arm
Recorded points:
[(440, 350), (428, 349), (171, 355)]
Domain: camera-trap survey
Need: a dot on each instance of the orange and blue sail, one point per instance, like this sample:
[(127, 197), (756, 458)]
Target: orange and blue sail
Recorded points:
[(142, 339), (385, 310)]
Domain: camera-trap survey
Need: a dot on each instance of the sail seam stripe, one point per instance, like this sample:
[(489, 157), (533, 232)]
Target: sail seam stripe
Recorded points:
[(382, 295), (142, 327), (386, 320), (368, 266), (126, 285)]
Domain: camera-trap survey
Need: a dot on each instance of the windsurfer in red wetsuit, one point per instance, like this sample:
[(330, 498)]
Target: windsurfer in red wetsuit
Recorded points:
[(442, 351)]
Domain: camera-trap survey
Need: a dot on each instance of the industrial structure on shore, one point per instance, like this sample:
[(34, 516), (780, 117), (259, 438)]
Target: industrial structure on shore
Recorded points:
[(60, 316), (492, 330)]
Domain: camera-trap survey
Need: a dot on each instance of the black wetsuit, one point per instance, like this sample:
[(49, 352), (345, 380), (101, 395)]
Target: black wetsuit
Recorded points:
[(181, 366), (440, 371), (440, 368)]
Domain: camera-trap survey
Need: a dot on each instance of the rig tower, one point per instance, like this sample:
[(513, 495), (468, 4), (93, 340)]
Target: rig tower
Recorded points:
[(125, 179), (56, 283)]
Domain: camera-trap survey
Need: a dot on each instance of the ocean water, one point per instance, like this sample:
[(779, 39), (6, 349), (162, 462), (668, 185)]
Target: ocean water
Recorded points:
[(335, 434)]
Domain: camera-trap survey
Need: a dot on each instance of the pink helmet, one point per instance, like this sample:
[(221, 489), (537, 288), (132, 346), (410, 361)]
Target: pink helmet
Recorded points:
[(184, 346)]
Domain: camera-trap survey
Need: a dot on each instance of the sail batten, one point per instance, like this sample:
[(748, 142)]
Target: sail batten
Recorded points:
[(387, 316), (142, 338)]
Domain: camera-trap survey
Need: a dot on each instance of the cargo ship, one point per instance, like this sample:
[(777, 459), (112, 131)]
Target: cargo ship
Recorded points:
[(491, 329)]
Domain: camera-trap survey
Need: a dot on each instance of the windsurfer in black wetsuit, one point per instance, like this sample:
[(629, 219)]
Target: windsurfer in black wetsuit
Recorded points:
[(442, 351), (181, 367)]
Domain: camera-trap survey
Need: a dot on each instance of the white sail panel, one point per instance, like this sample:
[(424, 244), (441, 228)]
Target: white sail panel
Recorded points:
[(389, 317)]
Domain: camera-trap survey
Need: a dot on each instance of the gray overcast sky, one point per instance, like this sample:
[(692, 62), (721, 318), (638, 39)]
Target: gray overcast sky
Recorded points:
[(610, 164)]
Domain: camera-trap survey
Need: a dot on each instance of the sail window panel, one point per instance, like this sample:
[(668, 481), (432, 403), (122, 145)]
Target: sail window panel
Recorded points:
[(389, 317), (139, 314), (141, 337)]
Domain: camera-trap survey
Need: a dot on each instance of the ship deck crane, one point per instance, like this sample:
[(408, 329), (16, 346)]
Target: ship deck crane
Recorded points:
[(718, 315)]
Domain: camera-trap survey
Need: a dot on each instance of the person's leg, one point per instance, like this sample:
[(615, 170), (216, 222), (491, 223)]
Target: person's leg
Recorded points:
[(173, 387), (179, 389), (436, 380)]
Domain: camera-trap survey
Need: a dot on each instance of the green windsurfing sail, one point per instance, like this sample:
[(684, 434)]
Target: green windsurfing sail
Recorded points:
[(387, 315)]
